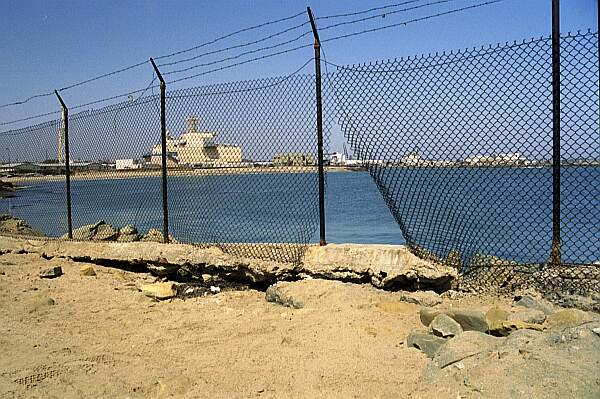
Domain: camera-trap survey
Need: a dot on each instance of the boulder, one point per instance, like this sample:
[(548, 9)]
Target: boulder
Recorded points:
[(465, 345), (105, 232), (161, 291), (444, 326), (52, 272), (427, 315), (533, 316), (469, 320), (566, 318), (425, 342), (155, 235), (87, 270), (278, 293), (128, 233), (507, 327), (423, 298), (530, 302), (85, 232)]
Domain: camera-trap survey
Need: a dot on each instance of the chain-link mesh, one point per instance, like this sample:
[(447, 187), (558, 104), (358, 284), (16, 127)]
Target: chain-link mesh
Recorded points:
[(241, 160), (31, 159), (460, 146)]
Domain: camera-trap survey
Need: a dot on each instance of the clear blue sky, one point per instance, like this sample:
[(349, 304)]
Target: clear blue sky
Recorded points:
[(49, 44)]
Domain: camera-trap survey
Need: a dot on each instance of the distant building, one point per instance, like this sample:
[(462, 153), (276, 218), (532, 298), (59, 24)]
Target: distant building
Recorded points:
[(121, 164), (293, 159), (195, 148), (511, 159)]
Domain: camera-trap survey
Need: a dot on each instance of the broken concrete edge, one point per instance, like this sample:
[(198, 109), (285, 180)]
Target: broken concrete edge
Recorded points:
[(391, 267)]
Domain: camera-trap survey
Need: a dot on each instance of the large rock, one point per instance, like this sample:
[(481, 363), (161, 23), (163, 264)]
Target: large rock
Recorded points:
[(85, 232), (155, 235), (465, 345), (159, 290), (128, 233), (530, 302), (427, 315), (425, 342), (279, 293), (385, 266), (105, 232), (444, 326), (87, 270), (469, 320)]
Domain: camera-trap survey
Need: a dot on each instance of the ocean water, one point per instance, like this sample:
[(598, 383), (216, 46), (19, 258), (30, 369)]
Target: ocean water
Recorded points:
[(509, 215)]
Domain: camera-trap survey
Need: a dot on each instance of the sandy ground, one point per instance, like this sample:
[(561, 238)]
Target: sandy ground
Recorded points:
[(103, 338)]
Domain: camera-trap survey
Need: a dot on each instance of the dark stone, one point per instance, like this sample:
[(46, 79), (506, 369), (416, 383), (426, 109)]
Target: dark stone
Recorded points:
[(425, 342), (53, 272)]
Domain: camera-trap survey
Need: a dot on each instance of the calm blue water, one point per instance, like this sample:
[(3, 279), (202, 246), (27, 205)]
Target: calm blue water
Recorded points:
[(500, 211)]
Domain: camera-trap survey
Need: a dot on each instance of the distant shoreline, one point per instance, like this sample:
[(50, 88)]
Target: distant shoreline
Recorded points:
[(141, 173)]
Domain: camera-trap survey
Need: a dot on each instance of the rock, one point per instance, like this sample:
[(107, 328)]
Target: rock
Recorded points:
[(128, 233), (52, 272), (566, 318), (396, 307), (85, 232), (469, 320), (465, 345), (589, 303), (426, 343), (529, 302), (596, 331), (444, 326), (155, 235), (494, 318), (86, 270), (105, 232), (10, 225), (277, 293), (164, 290), (423, 298), (533, 316), (427, 315)]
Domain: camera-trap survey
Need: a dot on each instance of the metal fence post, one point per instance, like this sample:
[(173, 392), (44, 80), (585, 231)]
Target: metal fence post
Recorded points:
[(163, 134), (555, 254), (65, 142), (317, 47)]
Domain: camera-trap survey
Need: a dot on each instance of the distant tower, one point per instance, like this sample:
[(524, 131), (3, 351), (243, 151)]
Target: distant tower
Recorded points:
[(192, 124), (60, 148)]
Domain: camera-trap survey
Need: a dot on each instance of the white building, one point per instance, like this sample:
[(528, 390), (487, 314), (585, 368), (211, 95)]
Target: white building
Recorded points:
[(121, 164)]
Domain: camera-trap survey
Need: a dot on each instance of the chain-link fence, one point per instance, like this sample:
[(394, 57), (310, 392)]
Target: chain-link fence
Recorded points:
[(460, 146), (241, 164)]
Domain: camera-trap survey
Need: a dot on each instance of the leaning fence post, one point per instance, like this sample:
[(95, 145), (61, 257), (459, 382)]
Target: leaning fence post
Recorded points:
[(163, 134), (555, 254), (64, 141), (319, 128)]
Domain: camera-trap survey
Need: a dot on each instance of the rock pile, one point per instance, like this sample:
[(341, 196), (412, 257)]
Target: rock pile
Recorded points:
[(456, 334), (11, 225), (102, 231)]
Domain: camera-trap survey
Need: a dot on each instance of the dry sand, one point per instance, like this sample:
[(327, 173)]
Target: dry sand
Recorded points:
[(103, 338)]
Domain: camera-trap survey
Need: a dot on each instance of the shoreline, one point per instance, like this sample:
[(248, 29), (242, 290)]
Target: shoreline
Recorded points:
[(128, 174)]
